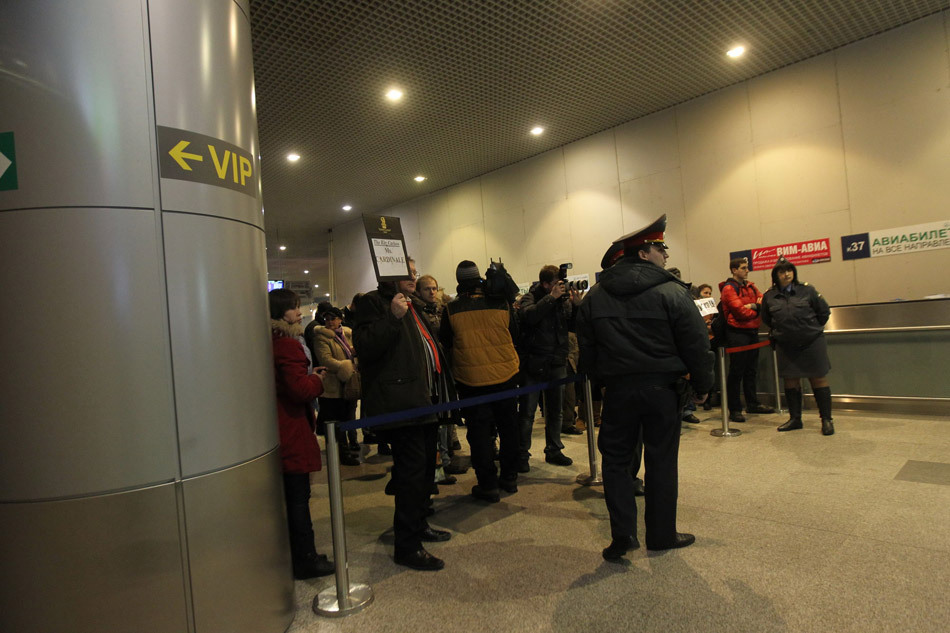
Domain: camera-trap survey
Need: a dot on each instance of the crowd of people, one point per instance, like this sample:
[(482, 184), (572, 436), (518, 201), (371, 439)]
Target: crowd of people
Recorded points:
[(637, 334)]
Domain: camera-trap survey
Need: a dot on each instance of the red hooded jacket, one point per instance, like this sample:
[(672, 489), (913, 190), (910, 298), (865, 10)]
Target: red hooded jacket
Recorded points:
[(296, 390), (734, 298)]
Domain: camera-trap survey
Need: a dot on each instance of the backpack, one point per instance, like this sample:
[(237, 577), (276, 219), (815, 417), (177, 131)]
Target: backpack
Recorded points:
[(718, 325)]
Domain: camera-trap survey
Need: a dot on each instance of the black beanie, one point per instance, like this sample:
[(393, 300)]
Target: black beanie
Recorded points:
[(466, 272)]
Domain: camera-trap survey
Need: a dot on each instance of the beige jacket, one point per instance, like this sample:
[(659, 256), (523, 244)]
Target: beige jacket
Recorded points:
[(330, 354)]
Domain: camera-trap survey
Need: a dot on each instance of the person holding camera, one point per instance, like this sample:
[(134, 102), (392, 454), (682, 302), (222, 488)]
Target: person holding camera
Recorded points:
[(547, 310), (740, 303)]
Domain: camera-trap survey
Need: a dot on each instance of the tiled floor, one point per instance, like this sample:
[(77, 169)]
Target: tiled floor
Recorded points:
[(795, 532)]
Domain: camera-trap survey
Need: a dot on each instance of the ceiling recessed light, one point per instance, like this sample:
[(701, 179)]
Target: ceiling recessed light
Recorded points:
[(306, 272), (419, 178), (327, 295), (316, 285), (283, 248), (736, 52), (293, 157), (537, 130), (394, 94), (347, 207)]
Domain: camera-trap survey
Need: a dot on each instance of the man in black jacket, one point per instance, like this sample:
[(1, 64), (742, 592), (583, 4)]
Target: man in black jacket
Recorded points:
[(640, 332), (546, 312), (402, 368)]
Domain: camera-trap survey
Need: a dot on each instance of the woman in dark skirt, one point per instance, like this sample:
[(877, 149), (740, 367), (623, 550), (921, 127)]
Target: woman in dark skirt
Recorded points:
[(796, 314)]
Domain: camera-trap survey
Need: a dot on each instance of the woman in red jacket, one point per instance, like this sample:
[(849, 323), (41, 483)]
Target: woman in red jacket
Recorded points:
[(297, 387)]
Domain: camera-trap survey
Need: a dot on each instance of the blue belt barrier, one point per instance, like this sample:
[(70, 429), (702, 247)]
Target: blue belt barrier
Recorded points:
[(406, 414)]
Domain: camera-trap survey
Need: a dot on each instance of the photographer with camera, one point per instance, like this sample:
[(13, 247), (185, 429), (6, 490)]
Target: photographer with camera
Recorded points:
[(547, 310)]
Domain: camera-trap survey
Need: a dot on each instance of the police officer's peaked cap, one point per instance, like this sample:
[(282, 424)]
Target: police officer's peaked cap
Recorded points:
[(651, 234)]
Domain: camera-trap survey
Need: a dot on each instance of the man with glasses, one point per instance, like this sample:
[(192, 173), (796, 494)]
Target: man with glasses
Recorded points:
[(640, 333)]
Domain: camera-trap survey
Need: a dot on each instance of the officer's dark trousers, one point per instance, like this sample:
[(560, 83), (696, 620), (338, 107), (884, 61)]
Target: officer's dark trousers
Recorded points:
[(478, 422), (742, 369), (413, 475), (628, 410)]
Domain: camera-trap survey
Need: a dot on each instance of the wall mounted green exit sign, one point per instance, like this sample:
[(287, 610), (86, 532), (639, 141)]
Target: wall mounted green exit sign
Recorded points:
[(7, 162)]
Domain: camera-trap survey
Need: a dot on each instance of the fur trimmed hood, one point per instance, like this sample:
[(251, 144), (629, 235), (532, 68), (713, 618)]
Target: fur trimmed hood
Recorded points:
[(279, 327)]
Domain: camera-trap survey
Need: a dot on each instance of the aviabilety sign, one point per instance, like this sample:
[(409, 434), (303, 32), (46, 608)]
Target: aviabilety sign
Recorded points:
[(906, 239)]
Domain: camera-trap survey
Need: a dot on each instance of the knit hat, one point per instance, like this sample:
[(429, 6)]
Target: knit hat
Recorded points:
[(466, 272)]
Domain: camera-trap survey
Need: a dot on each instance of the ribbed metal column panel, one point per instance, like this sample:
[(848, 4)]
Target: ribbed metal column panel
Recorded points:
[(140, 483)]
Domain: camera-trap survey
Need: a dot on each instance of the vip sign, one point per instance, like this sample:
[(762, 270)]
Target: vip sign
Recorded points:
[(185, 155)]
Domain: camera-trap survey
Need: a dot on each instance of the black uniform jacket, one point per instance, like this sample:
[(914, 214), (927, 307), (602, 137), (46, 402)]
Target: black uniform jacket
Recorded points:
[(640, 322), (797, 316)]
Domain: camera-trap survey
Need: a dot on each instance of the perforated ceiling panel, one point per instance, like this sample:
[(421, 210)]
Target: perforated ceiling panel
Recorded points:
[(477, 75)]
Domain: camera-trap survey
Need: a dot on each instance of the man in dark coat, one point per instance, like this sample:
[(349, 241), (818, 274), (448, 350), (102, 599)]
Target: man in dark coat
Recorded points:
[(402, 368), (640, 332)]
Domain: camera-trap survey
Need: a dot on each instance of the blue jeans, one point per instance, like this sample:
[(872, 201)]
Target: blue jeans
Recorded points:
[(528, 404)]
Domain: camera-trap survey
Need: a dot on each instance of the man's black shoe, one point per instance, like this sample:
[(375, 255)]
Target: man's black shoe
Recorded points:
[(759, 408), (419, 559), (348, 459), (571, 430), (692, 419), (448, 480), (558, 459), (638, 490), (508, 485), (312, 566), (524, 466), (618, 547), (490, 495), (384, 449), (791, 425), (431, 535), (736, 417), (681, 540)]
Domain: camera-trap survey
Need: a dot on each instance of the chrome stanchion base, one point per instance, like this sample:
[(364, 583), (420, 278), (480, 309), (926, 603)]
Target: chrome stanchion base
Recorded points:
[(725, 433), (326, 602), (586, 479)]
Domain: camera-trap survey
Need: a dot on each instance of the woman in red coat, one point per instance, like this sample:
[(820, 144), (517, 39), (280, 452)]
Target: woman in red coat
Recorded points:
[(297, 387)]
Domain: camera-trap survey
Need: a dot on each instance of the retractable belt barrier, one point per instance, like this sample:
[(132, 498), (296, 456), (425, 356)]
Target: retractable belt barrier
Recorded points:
[(725, 431)]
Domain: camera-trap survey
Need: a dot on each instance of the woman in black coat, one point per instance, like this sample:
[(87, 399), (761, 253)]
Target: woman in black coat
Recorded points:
[(796, 314)]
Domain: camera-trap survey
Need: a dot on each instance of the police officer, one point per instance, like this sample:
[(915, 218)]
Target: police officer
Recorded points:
[(640, 333)]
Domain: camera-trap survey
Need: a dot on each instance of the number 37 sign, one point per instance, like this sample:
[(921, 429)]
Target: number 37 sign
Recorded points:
[(906, 239)]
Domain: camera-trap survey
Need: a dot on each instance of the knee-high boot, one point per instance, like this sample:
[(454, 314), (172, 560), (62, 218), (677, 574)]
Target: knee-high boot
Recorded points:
[(794, 398), (823, 398)]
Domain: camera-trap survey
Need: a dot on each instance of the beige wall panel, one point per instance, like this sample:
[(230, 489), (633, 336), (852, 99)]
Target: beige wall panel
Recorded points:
[(720, 198), (647, 145), (547, 235), (505, 238), (647, 198), (542, 178), (433, 253), (910, 276), (501, 190), (408, 214), (801, 176), (591, 162), (595, 223), (834, 279), (793, 100), (898, 161), (468, 242), (465, 203), (353, 268), (907, 61), (714, 122)]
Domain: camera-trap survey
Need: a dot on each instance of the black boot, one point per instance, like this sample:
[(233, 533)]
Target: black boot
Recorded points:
[(823, 398), (794, 397)]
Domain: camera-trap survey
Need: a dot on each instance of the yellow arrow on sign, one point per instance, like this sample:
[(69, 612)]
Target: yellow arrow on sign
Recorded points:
[(179, 154)]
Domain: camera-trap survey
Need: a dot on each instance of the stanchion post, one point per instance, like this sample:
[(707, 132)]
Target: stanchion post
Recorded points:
[(343, 599), (778, 385), (725, 431), (593, 478)]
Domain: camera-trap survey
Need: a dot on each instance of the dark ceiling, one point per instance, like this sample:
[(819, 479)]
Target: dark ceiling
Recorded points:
[(477, 75)]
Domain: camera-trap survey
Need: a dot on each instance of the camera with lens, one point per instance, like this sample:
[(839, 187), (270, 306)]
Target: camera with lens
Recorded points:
[(579, 285), (498, 283)]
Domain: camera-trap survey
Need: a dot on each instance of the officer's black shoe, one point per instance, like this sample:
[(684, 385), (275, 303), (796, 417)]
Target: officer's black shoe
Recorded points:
[(736, 417), (431, 535), (348, 459), (680, 540), (524, 466), (618, 547), (491, 495), (759, 408), (419, 559), (571, 430), (827, 428), (311, 566), (791, 425), (384, 449), (558, 459), (692, 419), (508, 485)]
